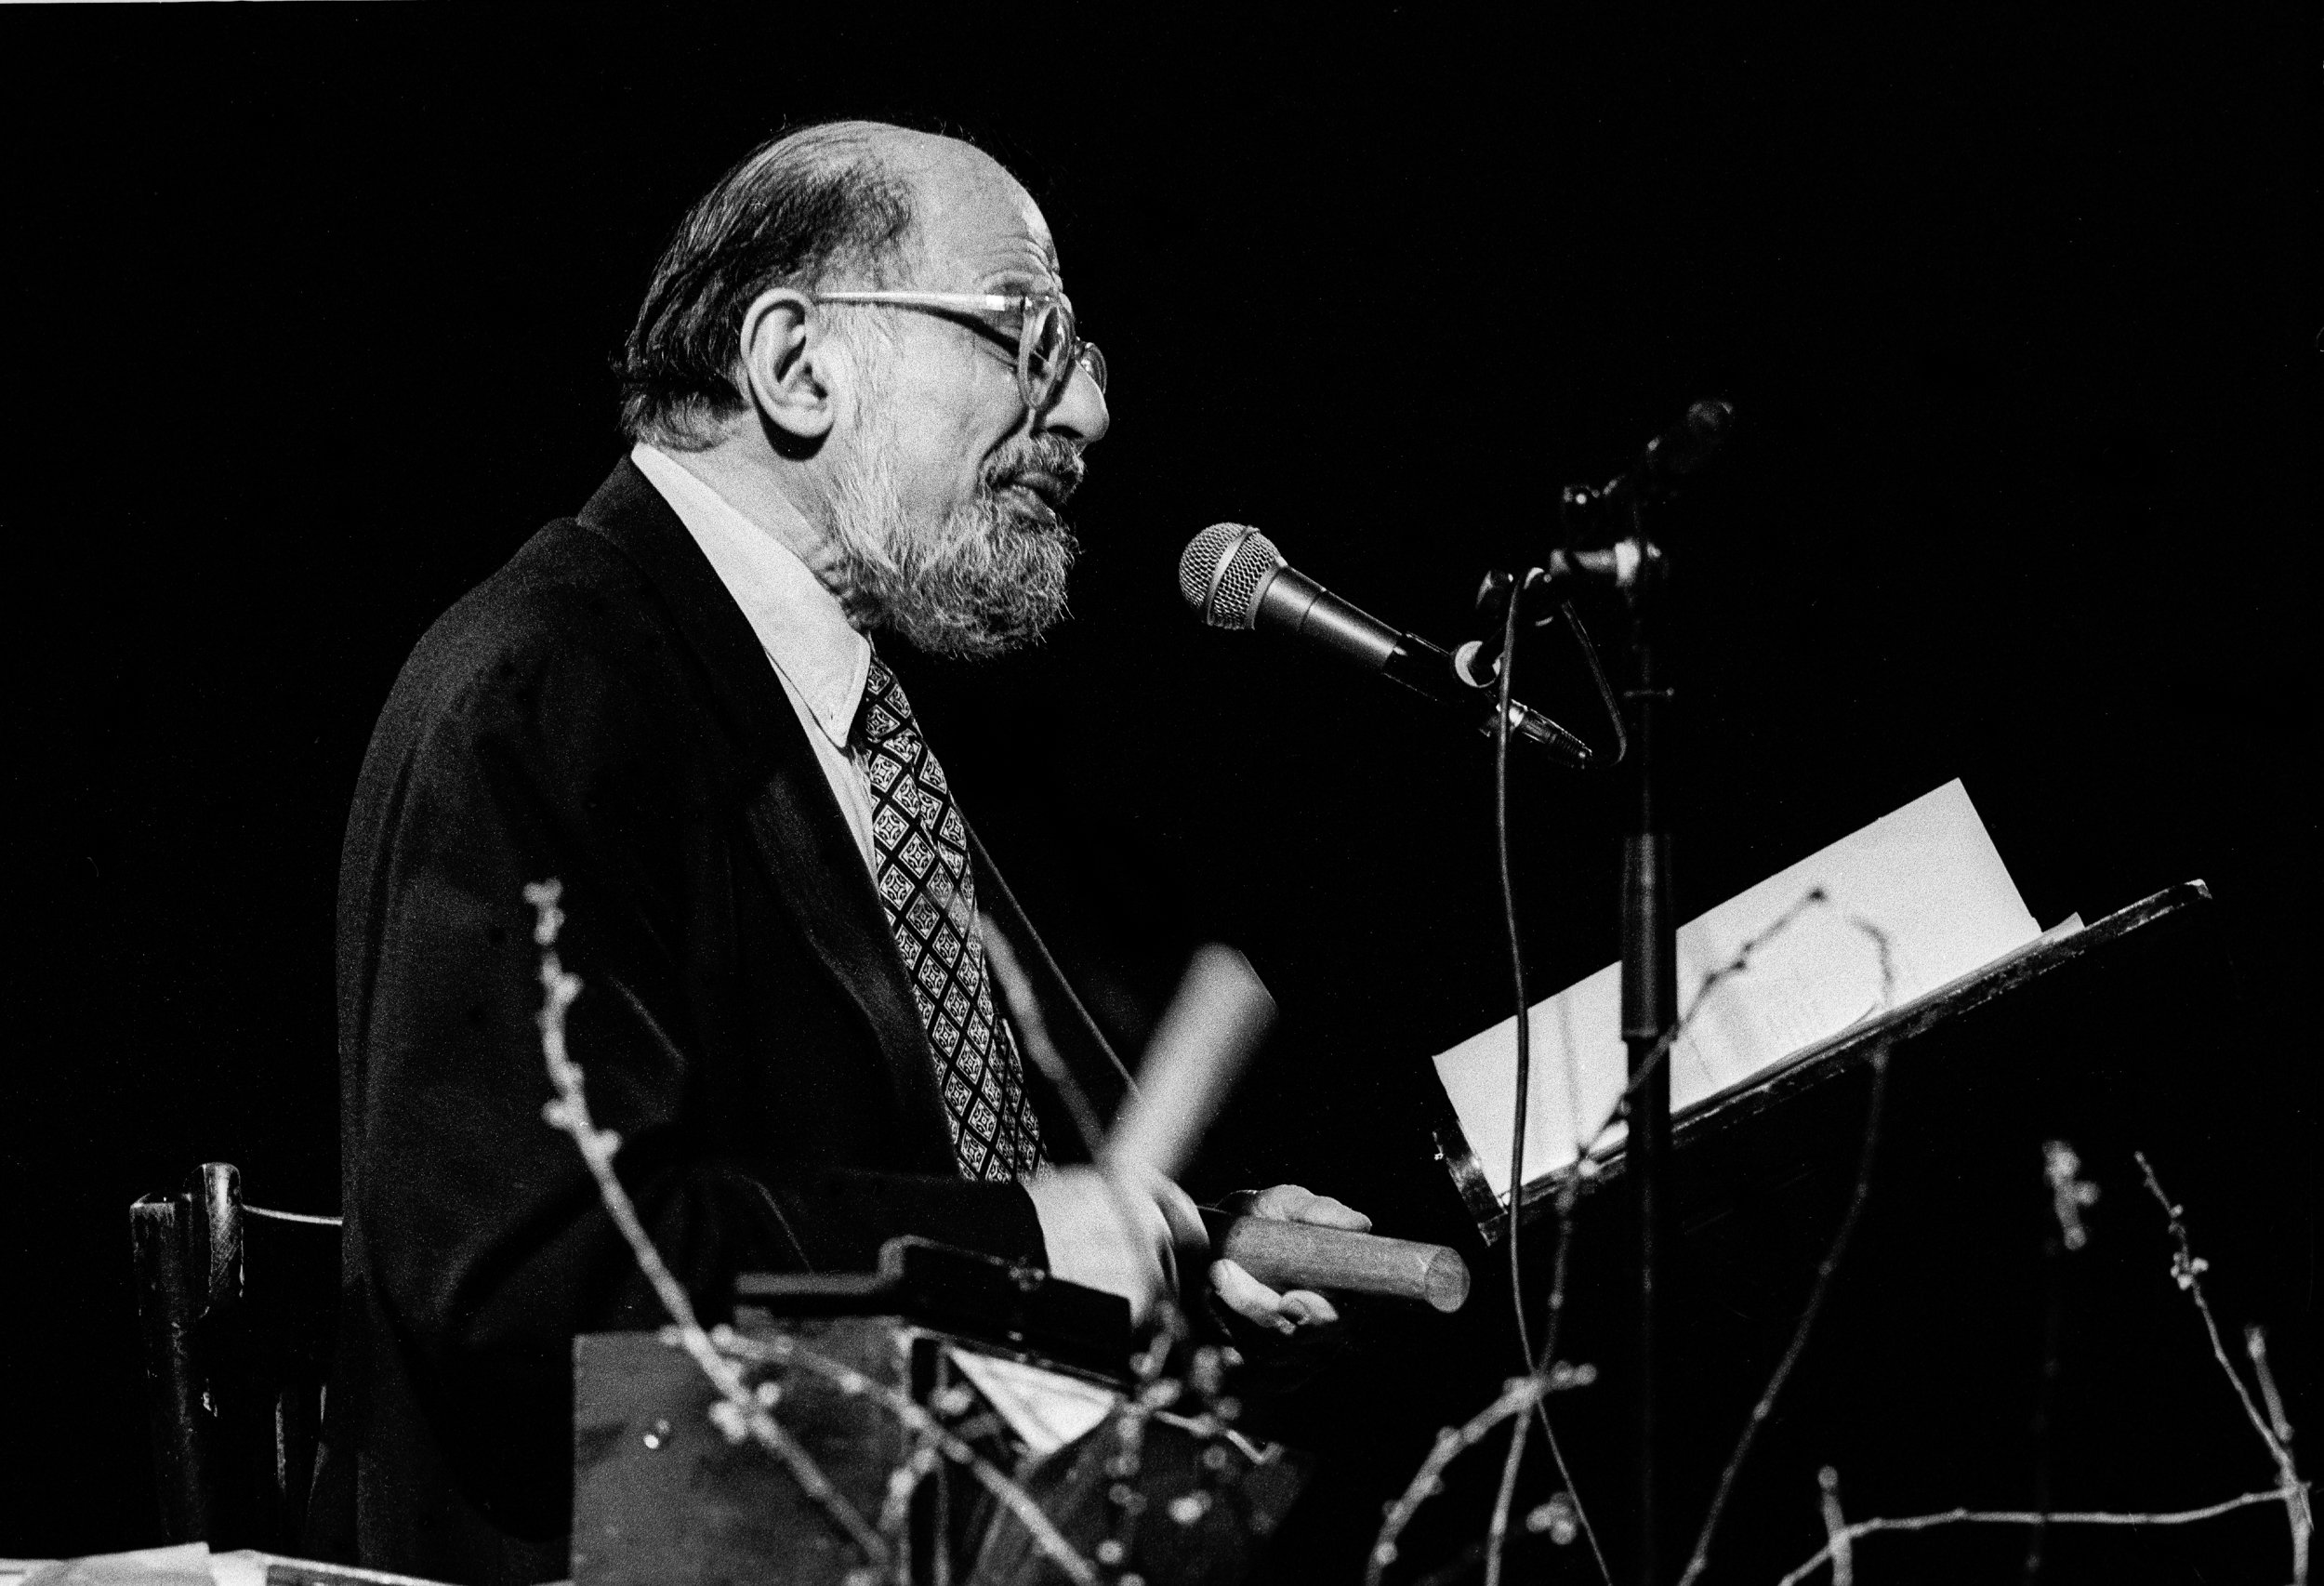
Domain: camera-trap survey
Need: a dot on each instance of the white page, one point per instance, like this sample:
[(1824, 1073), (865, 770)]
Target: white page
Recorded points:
[(1048, 1409), (1927, 877)]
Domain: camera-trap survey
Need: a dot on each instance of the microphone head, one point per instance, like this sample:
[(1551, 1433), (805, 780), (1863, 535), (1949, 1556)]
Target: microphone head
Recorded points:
[(1689, 447), (1221, 570)]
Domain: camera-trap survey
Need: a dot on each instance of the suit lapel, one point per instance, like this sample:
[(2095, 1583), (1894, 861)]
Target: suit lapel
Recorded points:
[(795, 824)]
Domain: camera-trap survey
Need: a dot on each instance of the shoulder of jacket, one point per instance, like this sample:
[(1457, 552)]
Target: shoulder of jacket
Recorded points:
[(566, 602)]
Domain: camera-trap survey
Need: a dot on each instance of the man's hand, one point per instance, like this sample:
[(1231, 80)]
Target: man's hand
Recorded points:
[(1252, 1300), (1120, 1236)]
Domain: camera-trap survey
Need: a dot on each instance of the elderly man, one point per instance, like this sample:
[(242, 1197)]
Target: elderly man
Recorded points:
[(860, 403)]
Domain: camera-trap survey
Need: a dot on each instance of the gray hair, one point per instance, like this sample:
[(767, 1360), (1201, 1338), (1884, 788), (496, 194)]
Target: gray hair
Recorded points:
[(800, 211)]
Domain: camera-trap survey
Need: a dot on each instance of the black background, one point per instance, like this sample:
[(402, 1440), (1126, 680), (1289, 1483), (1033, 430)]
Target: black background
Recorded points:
[(309, 318)]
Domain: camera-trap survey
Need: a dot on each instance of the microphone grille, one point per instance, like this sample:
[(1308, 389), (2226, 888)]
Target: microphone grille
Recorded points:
[(1221, 596)]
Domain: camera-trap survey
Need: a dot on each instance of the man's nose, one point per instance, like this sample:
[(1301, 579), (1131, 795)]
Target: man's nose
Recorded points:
[(1079, 412)]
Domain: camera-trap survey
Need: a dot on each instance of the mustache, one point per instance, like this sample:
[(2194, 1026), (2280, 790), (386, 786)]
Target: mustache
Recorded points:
[(1050, 465)]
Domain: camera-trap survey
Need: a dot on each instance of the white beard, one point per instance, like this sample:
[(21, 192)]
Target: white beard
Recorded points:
[(988, 579)]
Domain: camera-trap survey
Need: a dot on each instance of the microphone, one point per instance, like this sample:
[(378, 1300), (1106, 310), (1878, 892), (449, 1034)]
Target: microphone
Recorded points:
[(1232, 576), (1662, 464), (1685, 446)]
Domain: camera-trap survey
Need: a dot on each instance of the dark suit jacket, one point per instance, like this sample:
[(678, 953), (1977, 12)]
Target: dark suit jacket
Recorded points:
[(599, 711)]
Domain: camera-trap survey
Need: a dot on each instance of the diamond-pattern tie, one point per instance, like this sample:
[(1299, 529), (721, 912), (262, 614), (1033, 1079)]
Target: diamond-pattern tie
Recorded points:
[(923, 877)]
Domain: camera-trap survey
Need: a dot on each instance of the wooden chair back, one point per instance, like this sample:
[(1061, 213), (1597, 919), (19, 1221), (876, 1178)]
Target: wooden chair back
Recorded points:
[(237, 1306)]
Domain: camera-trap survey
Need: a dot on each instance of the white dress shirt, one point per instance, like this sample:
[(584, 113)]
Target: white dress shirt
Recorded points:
[(821, 661)]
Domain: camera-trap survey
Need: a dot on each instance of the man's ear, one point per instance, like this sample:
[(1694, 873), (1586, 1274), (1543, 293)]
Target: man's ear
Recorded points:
[(782, 346)]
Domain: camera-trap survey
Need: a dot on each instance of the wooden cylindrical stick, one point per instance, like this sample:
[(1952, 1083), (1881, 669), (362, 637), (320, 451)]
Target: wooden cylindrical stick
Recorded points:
[(1220, 1015), (1302, 1255)]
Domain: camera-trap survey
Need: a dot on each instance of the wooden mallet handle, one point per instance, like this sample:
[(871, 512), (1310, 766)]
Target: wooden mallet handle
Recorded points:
[(1302, 1255), (1212, 1027)]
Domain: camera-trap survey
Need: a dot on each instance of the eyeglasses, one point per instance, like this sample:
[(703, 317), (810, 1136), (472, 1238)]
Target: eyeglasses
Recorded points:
[(1049, 349)]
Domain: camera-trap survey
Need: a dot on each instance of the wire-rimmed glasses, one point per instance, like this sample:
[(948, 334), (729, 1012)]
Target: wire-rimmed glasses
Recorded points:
[(1049, 347)]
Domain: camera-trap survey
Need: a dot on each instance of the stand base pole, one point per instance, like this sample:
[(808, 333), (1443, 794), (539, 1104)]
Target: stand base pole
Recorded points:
[(1649, 997)]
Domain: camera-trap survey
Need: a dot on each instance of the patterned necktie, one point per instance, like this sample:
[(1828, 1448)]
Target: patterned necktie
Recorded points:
[(922, 875)]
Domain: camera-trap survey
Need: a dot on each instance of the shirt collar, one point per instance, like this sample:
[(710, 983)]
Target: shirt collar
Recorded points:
[(798, 622)]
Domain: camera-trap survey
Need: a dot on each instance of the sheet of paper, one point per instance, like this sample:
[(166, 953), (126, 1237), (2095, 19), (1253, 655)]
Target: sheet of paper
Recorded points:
[(1922, 889), (188, 1563), (1047, 1409)]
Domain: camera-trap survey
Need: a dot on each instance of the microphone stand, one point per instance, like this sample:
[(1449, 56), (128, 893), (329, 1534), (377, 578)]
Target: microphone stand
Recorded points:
[(1649, 1009), (1636, 565)]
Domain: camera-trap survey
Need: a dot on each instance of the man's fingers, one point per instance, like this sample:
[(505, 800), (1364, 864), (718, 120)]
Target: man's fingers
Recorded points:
[(1310, 1309), (1182, 1214), (1293, 1203), (1249, 1298)]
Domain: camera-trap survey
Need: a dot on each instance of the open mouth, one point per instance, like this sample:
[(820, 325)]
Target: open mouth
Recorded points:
[(1045, 491)]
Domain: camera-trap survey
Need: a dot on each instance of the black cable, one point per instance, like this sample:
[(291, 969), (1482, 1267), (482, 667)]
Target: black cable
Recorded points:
[(1525, 1055), (1597, 675), (1516, 957)]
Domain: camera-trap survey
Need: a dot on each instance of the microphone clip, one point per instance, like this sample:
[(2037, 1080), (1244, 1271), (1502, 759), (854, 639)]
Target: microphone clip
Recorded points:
[(1547, 590), (1479, 661)]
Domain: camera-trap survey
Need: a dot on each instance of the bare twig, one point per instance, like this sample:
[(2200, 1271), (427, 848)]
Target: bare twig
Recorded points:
[(1516, 1398), (778, 1350), (1824, 1270), (1569, 1202), (1572, 1495), (1583, 1177), (2069, 1192), (1426, 1480), (1497, 1530), (1843, 1568), (2255, 1346), (745, 1415), (2186, 1270), (2069, 1195), (741, 1412), (896, 1510), (1660, 1051), (1863, 1528)]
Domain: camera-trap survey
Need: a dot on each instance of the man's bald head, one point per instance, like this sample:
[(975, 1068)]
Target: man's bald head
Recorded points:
[(834, 204)]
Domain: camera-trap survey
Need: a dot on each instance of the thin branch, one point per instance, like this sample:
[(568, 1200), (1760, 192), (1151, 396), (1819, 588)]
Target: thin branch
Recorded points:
[(1843, 1567), (896, 1510), (1824, 1270), (743, 1413), (1497, 1530), (778, 1350), (1582, 1177), (1516, 1398), (2186, 1270), (2254, 1345), (1573, 1494), (569, 1111), (1711, 981), (2070, 1196), (1863, 1528), (1570, 1203)]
